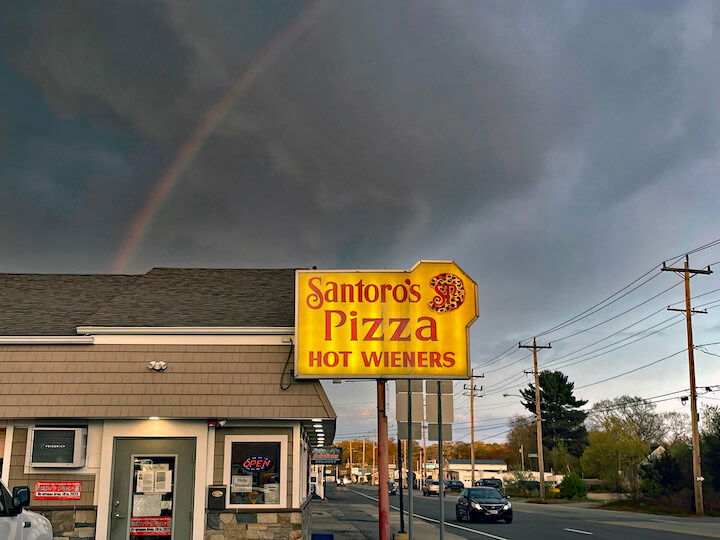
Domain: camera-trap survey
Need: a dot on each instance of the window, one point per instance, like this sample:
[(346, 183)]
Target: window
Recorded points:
[(256, 471)]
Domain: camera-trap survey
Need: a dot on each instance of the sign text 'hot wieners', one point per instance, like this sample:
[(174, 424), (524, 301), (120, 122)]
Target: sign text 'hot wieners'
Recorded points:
[(384, 324)]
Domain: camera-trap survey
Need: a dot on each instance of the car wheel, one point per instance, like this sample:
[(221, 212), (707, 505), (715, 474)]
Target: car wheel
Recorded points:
[(508, 520), (458, 517)]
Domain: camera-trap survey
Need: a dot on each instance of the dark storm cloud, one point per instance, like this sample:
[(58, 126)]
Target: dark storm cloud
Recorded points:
[(382, 124), (551, 148)]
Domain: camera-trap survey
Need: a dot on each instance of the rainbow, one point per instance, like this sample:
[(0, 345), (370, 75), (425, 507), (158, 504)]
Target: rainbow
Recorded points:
[(190, 148)]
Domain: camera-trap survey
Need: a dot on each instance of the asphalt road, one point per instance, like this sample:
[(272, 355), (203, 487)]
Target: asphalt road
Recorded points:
[(534, 521)]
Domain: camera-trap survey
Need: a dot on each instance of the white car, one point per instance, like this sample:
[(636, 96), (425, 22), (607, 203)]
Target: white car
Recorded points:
[(17, 523)]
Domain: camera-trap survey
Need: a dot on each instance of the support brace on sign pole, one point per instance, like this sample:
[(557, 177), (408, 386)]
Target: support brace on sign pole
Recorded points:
[(383, 495)]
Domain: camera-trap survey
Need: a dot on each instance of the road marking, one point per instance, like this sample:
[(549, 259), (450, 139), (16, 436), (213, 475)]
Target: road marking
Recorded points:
[(447, 524), (578, 531), (663, 520), (653, 527)]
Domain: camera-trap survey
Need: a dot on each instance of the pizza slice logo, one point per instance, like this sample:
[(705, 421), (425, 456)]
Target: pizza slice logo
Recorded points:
[(449, 293)]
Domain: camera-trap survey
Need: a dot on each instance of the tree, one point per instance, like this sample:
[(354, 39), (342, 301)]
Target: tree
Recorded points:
[(636, 413), (521, 436), (662, 475), (710, 446), (614, 455), (562, 461), (562, 419), (677, 427)]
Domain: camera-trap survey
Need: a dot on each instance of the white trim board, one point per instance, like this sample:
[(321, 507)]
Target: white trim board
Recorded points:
[(7, 452), (189, 330), (46, 340), (179, 339)]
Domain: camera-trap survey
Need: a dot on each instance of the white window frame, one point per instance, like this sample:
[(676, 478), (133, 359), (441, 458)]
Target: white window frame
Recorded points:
[(283, 440)]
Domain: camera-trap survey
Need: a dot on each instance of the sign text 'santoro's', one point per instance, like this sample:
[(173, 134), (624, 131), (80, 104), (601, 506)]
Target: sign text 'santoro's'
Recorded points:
[(384, 324)]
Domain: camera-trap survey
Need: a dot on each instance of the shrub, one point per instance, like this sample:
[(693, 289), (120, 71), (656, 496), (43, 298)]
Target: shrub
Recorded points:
[(520, 484), (573, 487)]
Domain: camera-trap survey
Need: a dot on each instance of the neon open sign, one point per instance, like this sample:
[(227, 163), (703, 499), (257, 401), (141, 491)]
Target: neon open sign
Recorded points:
[(257, 463)]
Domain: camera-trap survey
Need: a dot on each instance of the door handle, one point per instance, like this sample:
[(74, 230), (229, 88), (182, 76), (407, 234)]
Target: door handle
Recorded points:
[(118, 516)]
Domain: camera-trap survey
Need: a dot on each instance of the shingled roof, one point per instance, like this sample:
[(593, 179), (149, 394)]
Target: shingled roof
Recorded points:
[(53, 304), (203, 297), (56, 304)]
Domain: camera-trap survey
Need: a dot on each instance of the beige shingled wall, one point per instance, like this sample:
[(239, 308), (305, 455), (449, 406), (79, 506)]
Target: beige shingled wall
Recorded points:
[(113, 381)]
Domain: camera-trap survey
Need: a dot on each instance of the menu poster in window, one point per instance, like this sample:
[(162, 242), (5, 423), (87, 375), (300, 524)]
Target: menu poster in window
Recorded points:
[(147, 505), (145, 481), (241, 483), (260, 461), (163, 481), (272, 493)]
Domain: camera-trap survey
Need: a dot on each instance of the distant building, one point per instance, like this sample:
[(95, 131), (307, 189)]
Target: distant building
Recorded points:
[(158, 405), (460, 469)]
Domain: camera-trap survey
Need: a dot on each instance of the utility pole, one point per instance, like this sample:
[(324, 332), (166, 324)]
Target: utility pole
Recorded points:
[(538, 414), (372, 478), (351, 462), (686, 272), (363, 461), (522, 457), (471, 392)]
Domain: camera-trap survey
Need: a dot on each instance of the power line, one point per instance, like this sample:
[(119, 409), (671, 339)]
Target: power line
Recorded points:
[(632, 370)]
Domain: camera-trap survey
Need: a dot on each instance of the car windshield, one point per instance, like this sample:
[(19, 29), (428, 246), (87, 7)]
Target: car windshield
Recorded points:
[(478, 494)]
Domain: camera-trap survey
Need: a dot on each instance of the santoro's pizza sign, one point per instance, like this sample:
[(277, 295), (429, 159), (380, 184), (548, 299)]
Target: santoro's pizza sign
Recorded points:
[(384, 324)]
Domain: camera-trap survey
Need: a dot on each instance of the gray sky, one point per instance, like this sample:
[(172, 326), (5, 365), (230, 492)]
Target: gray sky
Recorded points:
[(555, 150)]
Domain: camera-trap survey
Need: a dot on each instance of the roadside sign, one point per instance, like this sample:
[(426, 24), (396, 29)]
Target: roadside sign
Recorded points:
[(532, 455), (433, 432), (382, 324), (403, 430), (326, 455), (431, 403), (401, 407)]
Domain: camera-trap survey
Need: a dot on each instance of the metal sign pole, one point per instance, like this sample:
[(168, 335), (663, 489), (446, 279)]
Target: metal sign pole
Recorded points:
[(441, 480), (383, 495), (411, 480), (400, 482)]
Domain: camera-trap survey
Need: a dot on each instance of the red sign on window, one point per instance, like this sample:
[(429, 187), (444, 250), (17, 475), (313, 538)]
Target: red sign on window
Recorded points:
[(151, 526), (58, 491)]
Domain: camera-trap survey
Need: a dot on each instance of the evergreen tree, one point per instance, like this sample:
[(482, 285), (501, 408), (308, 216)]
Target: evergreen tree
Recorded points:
[(562, 419)]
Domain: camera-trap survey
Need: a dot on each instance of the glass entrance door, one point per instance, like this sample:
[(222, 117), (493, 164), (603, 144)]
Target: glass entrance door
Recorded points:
[(152, 492)]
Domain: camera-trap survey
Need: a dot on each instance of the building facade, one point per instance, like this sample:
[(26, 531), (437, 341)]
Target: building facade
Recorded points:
[(461, 469), (160, 405)]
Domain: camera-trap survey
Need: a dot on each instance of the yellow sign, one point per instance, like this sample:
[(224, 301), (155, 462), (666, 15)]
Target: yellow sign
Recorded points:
[(383, 323)]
